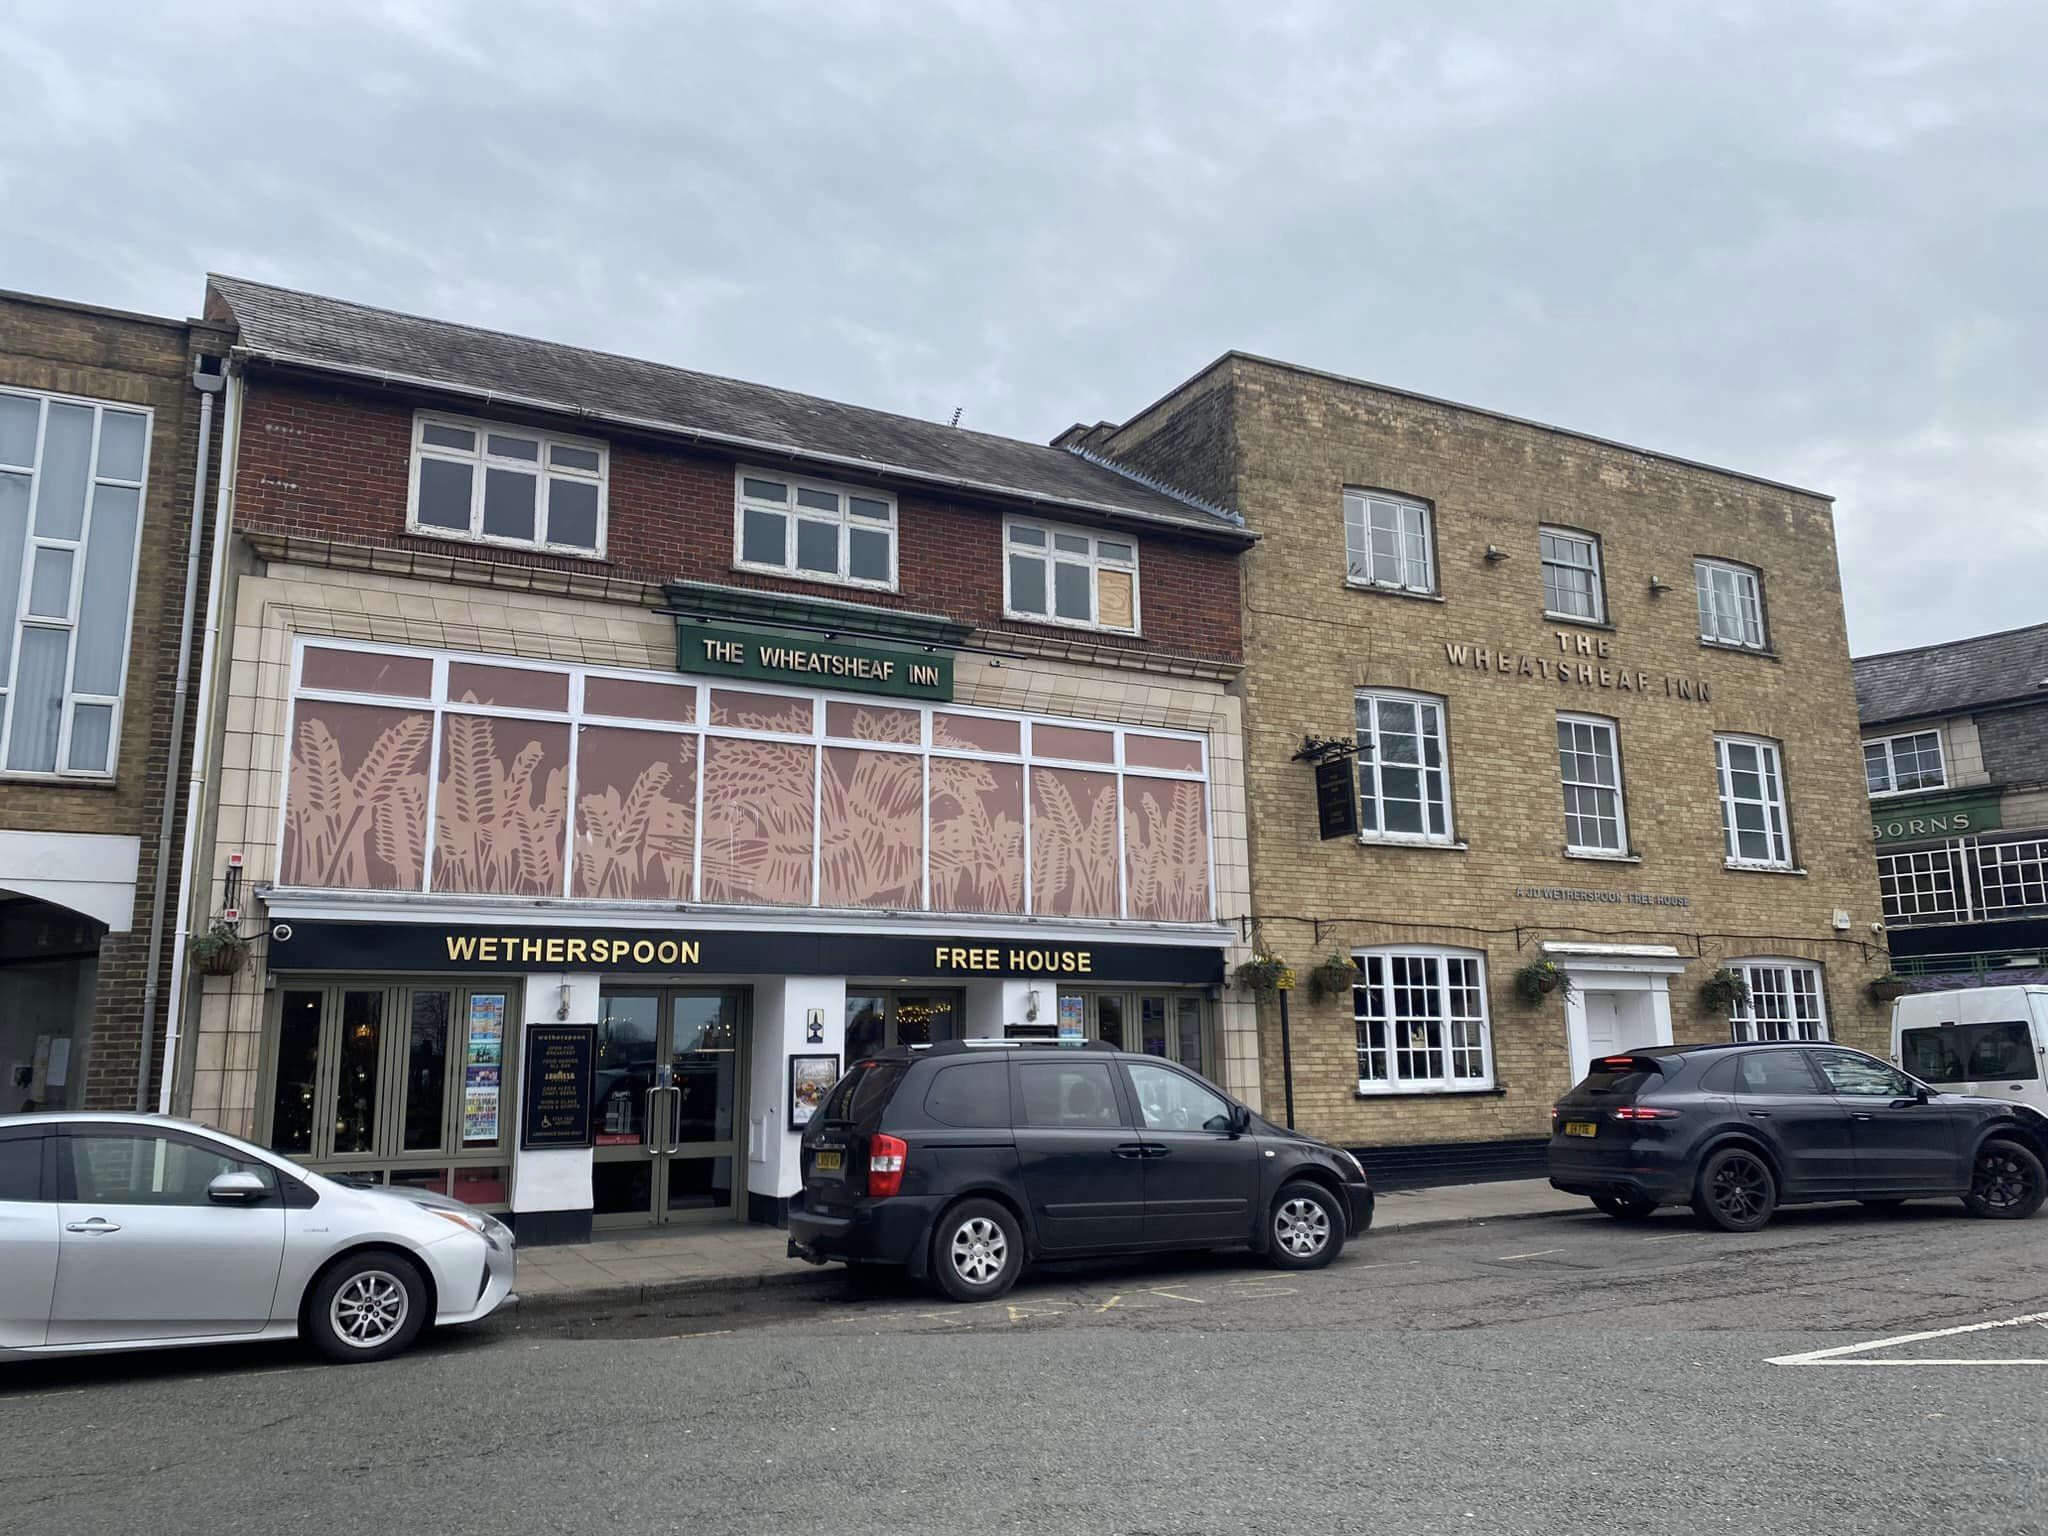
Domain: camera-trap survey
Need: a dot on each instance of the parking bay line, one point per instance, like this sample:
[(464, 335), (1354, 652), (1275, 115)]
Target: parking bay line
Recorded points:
[(1839, 1355), (1540, 1253)]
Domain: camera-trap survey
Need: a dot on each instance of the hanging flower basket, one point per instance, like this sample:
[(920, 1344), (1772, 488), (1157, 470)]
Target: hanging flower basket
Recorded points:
[(1265, 975), (1333, 976), (1889, 988), (1538, 979), (1724, 992), (220, 951)]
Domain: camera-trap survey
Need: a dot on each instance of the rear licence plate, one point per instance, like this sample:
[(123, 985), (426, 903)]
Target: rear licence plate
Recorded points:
[(1581, 1128), (828, 1162)]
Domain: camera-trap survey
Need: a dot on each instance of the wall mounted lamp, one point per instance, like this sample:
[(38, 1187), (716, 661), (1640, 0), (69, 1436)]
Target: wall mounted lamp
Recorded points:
[(1658, 588), (1495, 554)]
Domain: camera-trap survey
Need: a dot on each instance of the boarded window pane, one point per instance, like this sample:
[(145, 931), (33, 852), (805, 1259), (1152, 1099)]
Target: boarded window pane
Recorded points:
[(871, 850), (758, 821), (356, 804), (636, 814), (501, 805), (1113, 595)]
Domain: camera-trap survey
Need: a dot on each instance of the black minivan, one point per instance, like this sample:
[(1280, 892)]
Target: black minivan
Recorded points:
[(965, 1161)]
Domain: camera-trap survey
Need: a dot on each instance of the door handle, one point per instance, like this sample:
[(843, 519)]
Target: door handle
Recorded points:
[(654, 1142), (1759, 1114), (1153, 1149), (1860, 1115), (98, 1226), (1130, 1150)]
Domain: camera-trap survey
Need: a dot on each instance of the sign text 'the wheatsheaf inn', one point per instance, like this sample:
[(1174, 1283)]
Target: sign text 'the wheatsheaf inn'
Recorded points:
[(707, 650), (1583, 661)]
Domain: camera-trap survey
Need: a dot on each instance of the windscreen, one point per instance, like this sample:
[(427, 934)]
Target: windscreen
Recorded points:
[(862, 1093), (1969, 1053), (1618, 1077)]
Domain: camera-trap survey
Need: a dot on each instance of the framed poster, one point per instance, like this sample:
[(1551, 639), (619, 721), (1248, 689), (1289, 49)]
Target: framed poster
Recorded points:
[(557, 1085), (483, 1061), (810, 1079), (1073, 1019)]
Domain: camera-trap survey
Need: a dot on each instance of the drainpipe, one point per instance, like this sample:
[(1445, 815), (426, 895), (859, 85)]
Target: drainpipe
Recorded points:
[(202, 741), (1286, 1060), (208, 377)]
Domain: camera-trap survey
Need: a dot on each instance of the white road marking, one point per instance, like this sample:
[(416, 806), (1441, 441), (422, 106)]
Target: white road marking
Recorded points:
[(1838, 1355), (1674, 1237), (705, 1333), (1538, 1254)]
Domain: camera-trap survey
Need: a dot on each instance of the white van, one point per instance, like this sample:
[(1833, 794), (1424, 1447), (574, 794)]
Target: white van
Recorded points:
[(1990, 1041)]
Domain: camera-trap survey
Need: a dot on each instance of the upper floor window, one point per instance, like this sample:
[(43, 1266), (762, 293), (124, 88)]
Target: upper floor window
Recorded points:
[(1404, 789), (1386, 542), (507, 485), (1731, 604), (1421, 1020), (1589, 763), (815, 530), (1753, 821), (71, 480), (1070, 576), (1896, 764), (1571, 575)]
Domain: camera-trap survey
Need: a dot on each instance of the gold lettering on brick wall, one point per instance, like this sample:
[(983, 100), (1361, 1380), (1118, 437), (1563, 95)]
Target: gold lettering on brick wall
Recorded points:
[(1584, 661)]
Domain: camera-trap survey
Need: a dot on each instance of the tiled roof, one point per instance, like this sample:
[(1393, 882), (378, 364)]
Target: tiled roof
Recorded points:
[(331, 335), (1954, 677)]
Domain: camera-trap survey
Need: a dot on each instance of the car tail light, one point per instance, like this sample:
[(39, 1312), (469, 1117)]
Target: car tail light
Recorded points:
[(885, 1166), (1644, 1112)]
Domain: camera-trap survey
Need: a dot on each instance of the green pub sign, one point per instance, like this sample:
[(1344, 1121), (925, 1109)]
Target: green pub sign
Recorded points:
[(1930, 817), (709, 651)]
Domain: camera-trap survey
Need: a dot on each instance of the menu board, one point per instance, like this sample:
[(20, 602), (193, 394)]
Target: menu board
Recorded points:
[(557, 1085), (1073, 1026), (483, 1066)]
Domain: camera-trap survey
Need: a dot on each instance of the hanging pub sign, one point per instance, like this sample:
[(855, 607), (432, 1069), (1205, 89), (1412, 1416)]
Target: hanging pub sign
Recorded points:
[(558, 1079), (1336, 799), (706, 650)]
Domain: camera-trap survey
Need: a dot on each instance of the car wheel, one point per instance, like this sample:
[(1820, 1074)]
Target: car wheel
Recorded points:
[(1306, 1228), (367, 1307), (2008, 1182), (1625, 1207), (977, 1251), (1735, 1191)]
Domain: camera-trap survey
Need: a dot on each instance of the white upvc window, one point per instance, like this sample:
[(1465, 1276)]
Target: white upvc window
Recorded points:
[(1404, 782), (1571, 575), (499, 484), (1786, 1001), (1753, 816), (1056, 575), (1589, 764), (1421, 1019), (1387, 542), (1895, 765), (1731, 604), (72, 474), (814, 530)]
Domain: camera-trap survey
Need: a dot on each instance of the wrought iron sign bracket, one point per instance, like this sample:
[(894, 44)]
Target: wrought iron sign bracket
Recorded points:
[(1320, 749)]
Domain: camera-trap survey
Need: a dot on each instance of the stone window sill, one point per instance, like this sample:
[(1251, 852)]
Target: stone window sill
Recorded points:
[(1595, 857), (1370, 1095), (1379, 591), (1730, 649), (1761, 869), (1416, 842)]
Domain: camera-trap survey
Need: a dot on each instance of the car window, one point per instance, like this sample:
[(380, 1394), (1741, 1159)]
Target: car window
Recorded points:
[(1068, 1094), (1171, 1102), (1962, 1052), (1864, 1077), (21, 1167), (112, 1169), (863, 1092), (1720, 1078), (973, 1093), (1775, 1072)]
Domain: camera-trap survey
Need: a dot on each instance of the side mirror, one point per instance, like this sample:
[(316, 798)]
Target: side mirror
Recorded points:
[(237, 1188), (1240, 1119), (1921, 1095)]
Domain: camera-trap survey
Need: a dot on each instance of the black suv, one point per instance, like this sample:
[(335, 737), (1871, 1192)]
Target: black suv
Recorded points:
[(1738, 1130), (965, 1161)]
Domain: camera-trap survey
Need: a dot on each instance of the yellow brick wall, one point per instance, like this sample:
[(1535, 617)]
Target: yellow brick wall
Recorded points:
[(1311, 641)]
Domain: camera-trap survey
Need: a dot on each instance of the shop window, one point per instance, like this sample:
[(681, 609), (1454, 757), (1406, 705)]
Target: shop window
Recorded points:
[(407, 1085), (1404, 792), (71, 487), (1056, 575), (507, 485), (1387, 542), (1897, 765), (356, 818), (1786, 1001), (878, 1020), (1422, 1021), (814, 529), (1753, 817), (758, 821), (1731, 604), (977, 821), (1173, 1025)]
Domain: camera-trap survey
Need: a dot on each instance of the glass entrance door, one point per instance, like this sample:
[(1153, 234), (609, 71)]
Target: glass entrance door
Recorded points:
[(671, 1075), (1169, 1024)]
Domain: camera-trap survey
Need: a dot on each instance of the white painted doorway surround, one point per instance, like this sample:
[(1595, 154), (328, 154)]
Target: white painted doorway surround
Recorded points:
[(1620, 997)]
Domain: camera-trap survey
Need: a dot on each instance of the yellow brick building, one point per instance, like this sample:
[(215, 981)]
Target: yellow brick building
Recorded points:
[(1600, 718)]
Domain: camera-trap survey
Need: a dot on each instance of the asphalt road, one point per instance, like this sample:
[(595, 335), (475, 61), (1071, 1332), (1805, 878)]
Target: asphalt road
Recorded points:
[(1545, 1376)]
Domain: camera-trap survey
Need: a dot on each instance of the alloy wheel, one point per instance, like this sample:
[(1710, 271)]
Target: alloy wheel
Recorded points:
[(1741, 1188), (1302, 1227), (980, 1250), (2000, 1181), (369, 1309)]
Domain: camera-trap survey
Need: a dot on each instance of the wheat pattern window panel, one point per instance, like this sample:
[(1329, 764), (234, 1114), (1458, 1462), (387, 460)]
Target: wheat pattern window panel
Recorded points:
[(357, 816), (977, 835), (758, 821), (502, 806), (1073, 843), (1166, 850), (871, 830), (636, 814)]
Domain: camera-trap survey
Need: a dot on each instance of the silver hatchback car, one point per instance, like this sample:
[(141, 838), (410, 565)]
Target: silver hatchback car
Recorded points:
[(143, 1232)]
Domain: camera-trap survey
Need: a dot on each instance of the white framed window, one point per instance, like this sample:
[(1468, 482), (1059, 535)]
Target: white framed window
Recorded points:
[(1895, 765), (1055, 575), (1731, 604), (814, 530), (1753, 818), (1571, 575), (1404, 783), (1387, 542), (1589, 764), (72, 474), (1421, 1018), (1786, 1001), (508, 485)]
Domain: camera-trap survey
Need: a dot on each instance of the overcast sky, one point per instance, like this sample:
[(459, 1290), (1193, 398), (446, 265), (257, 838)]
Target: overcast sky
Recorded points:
[(1809, 246)]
